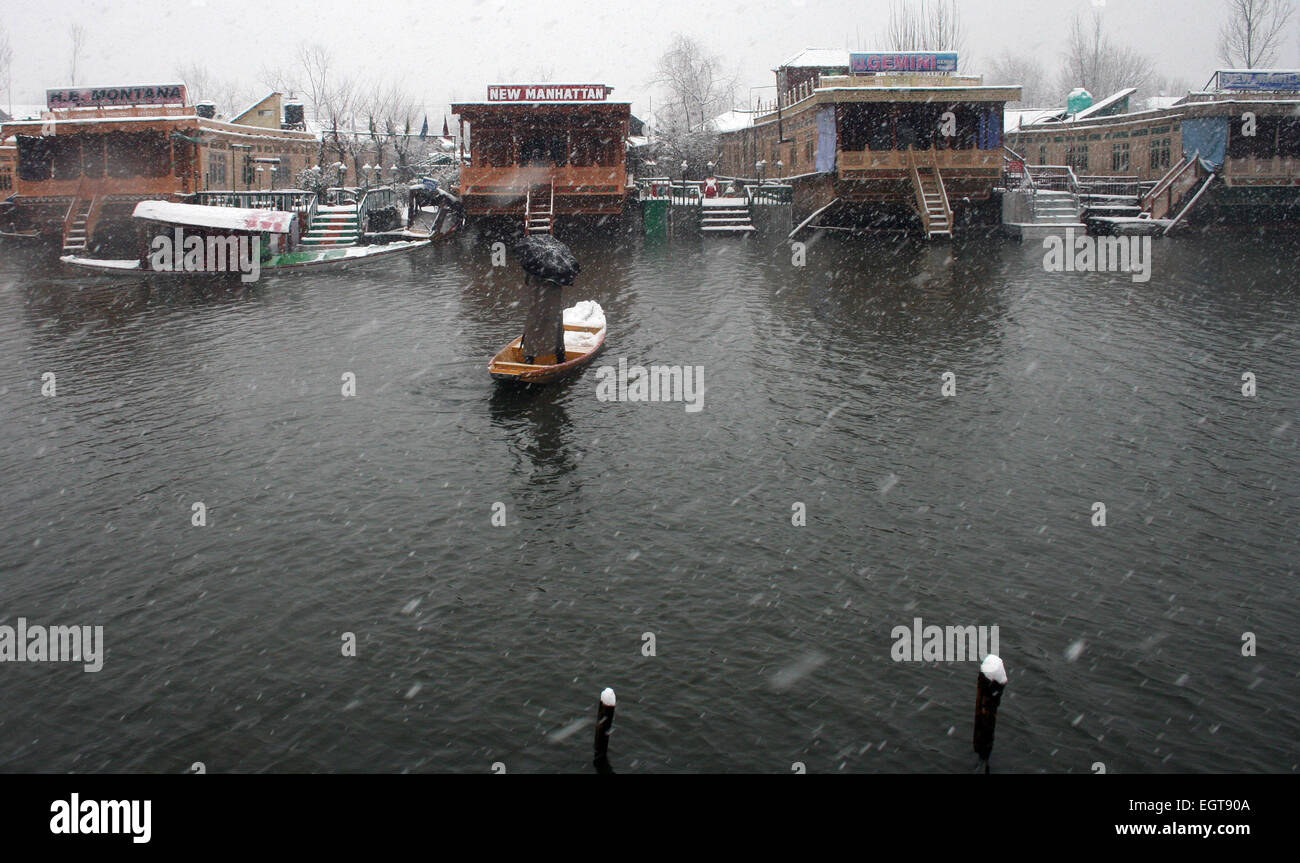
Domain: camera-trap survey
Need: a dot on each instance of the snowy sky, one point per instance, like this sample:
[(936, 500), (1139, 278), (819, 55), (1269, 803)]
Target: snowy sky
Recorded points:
[(455, 54)]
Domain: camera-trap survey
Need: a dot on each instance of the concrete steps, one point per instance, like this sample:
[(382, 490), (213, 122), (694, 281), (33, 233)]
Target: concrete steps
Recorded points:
[(333, 226)]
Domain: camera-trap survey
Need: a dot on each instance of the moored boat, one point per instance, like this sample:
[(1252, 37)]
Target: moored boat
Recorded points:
[(196, 240)]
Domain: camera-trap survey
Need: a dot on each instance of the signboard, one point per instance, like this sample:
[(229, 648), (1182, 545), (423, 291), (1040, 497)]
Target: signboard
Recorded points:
[(91, 97), (1258, 80), (902, 61), (548, 92)]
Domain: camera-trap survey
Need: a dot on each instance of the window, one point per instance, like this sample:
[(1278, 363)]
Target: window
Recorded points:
[(34, 158), (1160, 153), (65, 152), (92, 155), (1119, 156), (1076, 156), (1042, 154), (6, 181), (217, 171)]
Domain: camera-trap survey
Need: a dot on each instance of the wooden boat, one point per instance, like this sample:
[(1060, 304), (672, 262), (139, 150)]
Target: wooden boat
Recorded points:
[(583, 338)]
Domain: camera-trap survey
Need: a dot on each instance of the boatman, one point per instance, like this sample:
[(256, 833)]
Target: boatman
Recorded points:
[(548, 267)]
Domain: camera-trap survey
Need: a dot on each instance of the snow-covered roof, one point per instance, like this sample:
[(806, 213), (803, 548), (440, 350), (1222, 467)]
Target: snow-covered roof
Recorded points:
[(24, 112), (1013, 120), (819, 58), (1108, 102), (732, 121), (1157, 103), (224, 218)]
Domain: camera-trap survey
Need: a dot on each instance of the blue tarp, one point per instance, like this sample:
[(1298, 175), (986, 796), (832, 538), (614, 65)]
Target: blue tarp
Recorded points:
[(826, 138), (1209, 137), (989, 134)]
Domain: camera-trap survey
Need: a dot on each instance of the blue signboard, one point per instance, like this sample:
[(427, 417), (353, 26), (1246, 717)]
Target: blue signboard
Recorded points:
[(1285, 80), (902, 61)]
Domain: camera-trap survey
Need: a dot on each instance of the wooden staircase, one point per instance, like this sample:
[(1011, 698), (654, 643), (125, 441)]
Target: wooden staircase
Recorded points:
[(931, 197), (78, 224), (539, 220), (1182, 180)]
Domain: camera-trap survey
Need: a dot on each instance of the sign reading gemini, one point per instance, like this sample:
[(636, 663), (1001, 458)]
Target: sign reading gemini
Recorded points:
[(91, 97), (903, 61)]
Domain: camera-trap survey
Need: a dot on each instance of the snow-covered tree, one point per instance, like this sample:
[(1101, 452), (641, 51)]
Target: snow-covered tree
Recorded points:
[(694, 89)]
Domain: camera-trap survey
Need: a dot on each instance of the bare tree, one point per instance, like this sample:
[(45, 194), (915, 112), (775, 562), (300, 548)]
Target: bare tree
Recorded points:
[(924, 25), (1253, 32), (1014, 68), (77, 35), (1097, 64), (202, 85)]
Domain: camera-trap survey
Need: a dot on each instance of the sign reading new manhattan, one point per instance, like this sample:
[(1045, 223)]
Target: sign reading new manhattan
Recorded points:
[(1284, 80), (87, 97), (548, 92), (903, 61)]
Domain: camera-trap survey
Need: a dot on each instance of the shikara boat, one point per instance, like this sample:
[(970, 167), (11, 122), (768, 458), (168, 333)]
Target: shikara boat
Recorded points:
[(584, 335)]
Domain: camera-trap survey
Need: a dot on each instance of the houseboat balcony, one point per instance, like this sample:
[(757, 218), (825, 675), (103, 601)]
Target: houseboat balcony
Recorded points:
[(515, 180), (1253, 171), (853, 163)]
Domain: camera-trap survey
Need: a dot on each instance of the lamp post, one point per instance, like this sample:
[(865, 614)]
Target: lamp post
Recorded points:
[(780, 169), (365, 174)]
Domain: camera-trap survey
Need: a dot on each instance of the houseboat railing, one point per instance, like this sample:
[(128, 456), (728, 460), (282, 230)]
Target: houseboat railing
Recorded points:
[(1100, 185), (372, 199), (1055, 178), (1167, 181), (769, 194), (287, 200)]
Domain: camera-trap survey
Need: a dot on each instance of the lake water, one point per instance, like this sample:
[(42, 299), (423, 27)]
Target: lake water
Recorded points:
[(478, 643)]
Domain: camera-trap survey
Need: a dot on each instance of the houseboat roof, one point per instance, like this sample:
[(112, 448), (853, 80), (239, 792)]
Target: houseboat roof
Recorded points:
[(113, 119), (818, 58), (221, 218)]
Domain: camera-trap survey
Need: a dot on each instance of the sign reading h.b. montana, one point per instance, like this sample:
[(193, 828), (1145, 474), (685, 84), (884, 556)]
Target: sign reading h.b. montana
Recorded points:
[(548, 92), (90, 97), (903, 61)]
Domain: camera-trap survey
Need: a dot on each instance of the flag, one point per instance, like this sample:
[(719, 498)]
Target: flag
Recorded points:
[(424, 130), (445, 133)]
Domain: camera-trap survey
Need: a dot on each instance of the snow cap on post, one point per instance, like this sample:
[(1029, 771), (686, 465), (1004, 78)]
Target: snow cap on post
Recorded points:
[(545, 257), (993, 669)]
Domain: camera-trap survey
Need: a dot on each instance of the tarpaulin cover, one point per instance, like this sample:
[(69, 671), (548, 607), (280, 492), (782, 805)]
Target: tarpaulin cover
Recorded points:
[(989, 134), (826, 138), (1209, 137)]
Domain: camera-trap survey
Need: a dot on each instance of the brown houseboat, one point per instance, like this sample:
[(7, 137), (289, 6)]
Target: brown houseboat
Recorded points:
[(98, 151), (889, 140), (1230, 152), (538, 152)]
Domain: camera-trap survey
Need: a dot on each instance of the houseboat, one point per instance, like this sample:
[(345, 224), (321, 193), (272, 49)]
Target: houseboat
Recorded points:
[(175, 240), (539, 152), (1229, 153), (98, 151), (877, 140)]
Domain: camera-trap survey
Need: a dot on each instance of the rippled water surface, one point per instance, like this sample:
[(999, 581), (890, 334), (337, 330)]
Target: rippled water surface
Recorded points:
[(476, 643)]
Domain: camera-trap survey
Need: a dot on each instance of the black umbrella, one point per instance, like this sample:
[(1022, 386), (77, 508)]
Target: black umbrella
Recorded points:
[(545, 257)]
